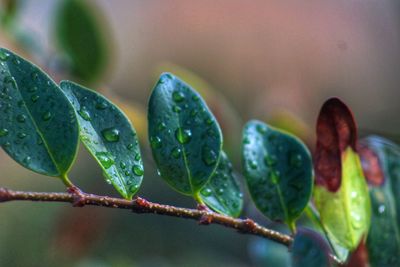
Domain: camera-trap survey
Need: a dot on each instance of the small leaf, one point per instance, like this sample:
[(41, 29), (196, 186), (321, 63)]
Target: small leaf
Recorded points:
[(381, 162), (336, 131), (81, 34), (278, 171), (185, 138), (109, 137), (222, 192), (310, 249), (38, 127), (341, 190)]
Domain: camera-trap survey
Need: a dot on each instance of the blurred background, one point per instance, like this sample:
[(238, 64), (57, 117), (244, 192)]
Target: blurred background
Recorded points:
[(276, 61)]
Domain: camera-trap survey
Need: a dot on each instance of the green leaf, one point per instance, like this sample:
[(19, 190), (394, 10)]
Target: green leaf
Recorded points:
[(109, 137), (309, 249), (81, 34), (38, 124), (278, 171), (222, 192), (350, 203), (185, 138), (381, 158)]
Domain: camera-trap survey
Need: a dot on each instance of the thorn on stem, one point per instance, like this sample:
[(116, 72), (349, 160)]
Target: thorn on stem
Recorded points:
[(79, 197)]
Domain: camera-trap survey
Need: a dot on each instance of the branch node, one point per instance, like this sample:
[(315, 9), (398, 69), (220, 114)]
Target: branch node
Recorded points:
[(248, 225), (4, 195), (140, 205), (79, 198), (205, 219), (202, 207)]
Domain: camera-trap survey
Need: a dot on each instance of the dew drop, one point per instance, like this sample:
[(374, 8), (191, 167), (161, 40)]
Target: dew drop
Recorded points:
[(34, 98), (4, 131), (195, 98), (27, 160), (155, 142), (21, 135), (176, 109), (295, 160), (105, 159), (32, 89), (101, 105), (183, 135), (111, 134), (246, 140), (381, 209), (178, 96), (122, 165), (161, 126), (138, 157), (176, 152), (21, 118), (138, 170), (206, 192), (209, 156), (46, 116), (208, 121), (253, 164), (261, 129), (4, 56), (84, 113), (270, 160), (220, 191), (274, 177), (35, 76), (130, 146)]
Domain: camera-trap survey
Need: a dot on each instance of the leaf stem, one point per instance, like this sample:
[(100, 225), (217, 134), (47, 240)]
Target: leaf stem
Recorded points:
[(66, 180)]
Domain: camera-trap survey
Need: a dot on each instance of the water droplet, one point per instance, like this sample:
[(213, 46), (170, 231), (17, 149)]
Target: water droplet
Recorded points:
[(381, 209), (206, 192), (84, 113), (246, 140), (35, 76), (155, 142), (193, 113), (176, 109), (138, 170), (261, 129), (4, 56), (270, 160), (21, 118), (253, 164), (178, 96), (183, 135), (295, 160), (34, 98), (161, 126), (32, 89), (101, 105), (130, 146), (10, 80), (176, 152), (127, 173), (16, 61), (220, 191), (274, 177), (111, 134), (209, 121), (108, 181), (46, 116), (105, 159), (195, 98), (122, 165), (355, 219), (4, 131), (27, 160), (209, 156), (21, 135)]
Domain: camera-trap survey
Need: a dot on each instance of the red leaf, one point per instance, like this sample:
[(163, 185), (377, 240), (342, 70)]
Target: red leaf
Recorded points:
[(371, 165), (359, 258), (336, 131)]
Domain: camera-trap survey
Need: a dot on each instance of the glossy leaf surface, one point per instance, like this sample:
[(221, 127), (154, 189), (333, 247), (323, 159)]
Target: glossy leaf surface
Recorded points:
[(336, 131), (109, 137), (185, 138), (222, 193), (309, 249), (38, 127), (80, 33), (278, 171), (346, 213), (382, 156)]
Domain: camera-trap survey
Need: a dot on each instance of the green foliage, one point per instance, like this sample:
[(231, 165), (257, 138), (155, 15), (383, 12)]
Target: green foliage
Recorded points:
[(222, 192), (185, 138), (80, 34), (310, 250), (384, 232), (278, 171), (38, 126), (109, 136)]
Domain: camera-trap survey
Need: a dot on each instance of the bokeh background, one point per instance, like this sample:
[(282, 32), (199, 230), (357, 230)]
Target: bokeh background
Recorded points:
[(276, 61)]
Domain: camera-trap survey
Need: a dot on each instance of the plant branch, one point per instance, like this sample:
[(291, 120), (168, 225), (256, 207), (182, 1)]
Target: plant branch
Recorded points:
[(139, 205)]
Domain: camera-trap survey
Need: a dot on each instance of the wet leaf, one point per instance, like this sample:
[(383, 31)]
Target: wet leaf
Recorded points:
[(185, 138), (309, 249), (350, 203), (222, 193), (80, 33), (380, 156), (109, 137), (278, 171), (38, 125)]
